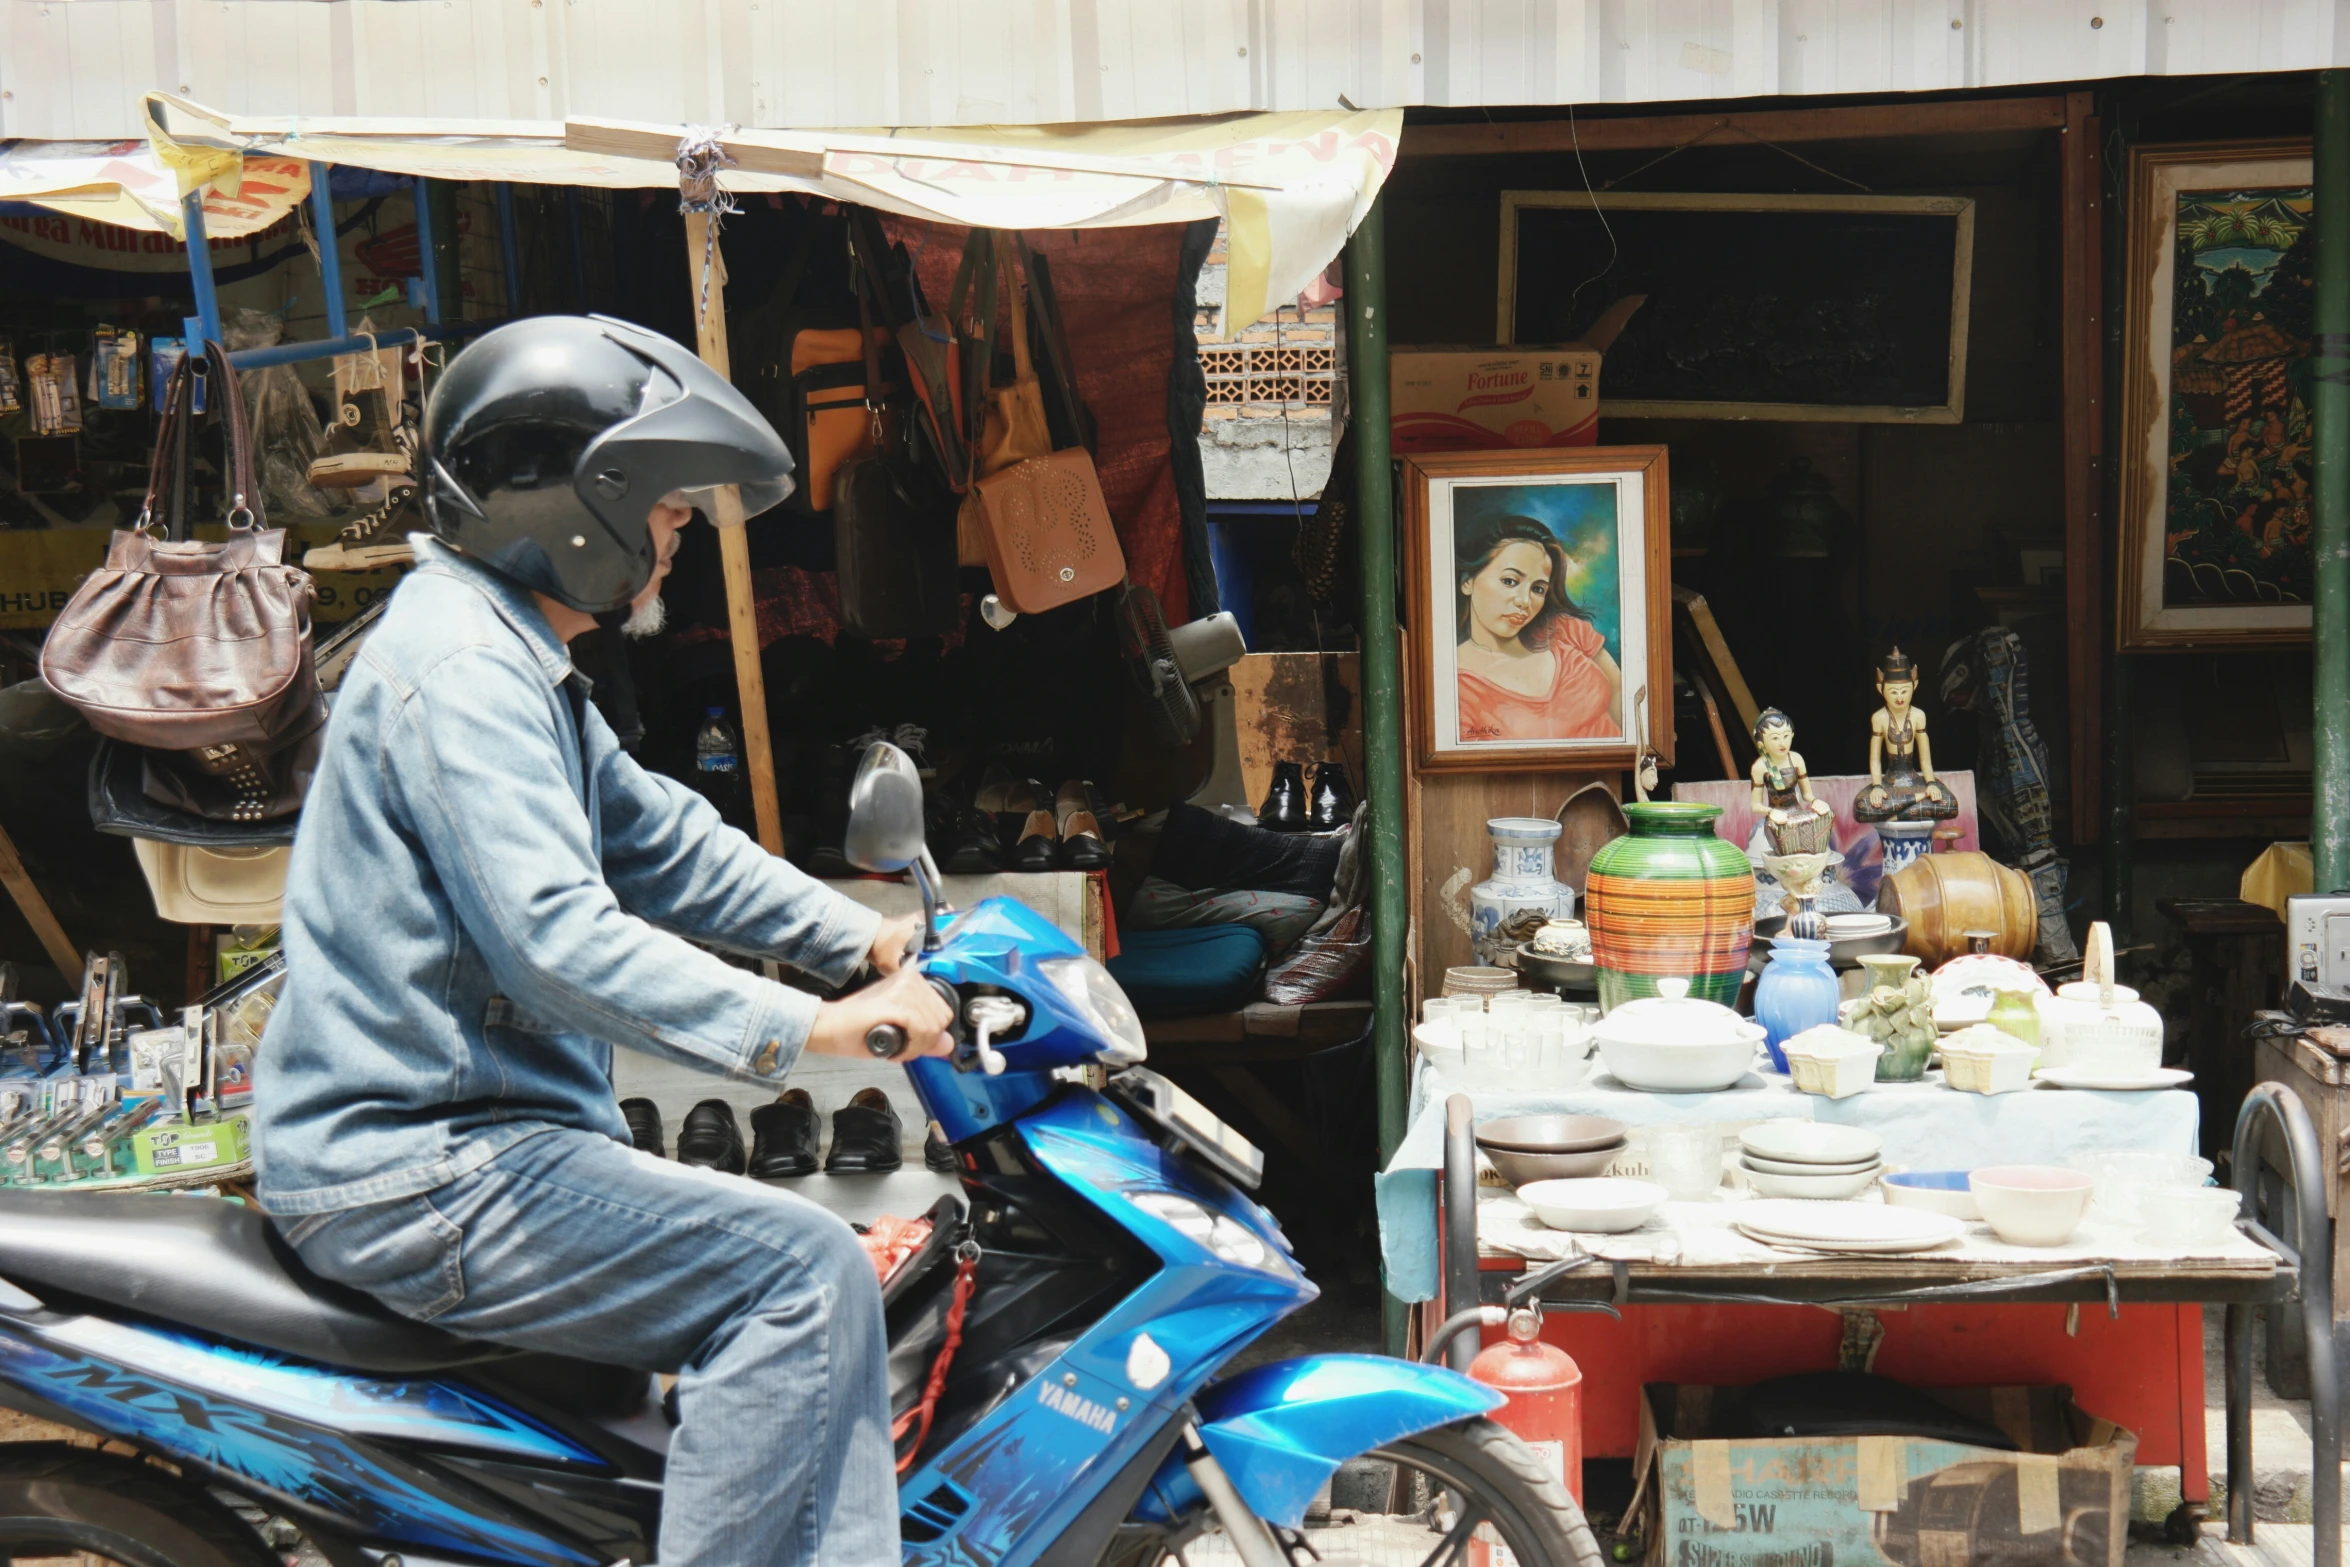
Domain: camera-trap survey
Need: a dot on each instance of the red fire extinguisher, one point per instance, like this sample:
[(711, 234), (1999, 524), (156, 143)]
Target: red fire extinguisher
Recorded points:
[(1545, 1391)]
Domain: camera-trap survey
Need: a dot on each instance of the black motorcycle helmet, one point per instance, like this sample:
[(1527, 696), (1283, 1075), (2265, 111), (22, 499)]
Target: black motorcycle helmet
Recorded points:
[(548, 442)]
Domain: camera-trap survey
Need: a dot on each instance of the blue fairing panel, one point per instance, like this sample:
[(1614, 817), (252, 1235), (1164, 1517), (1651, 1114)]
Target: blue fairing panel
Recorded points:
[(1281, 1430)]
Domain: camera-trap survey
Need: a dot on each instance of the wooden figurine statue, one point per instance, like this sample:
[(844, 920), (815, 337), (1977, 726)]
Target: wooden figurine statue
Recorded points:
[(1794, 820), (1901, 761)]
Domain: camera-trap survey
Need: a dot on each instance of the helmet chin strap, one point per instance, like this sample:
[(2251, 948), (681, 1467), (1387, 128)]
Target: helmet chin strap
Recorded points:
[(620, 706)]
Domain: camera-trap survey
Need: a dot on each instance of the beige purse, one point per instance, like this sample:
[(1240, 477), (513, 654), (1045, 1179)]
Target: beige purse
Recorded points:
[(194, 886)]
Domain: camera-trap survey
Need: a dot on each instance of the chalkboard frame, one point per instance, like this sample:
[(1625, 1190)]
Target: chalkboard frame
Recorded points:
[(1951, 411)]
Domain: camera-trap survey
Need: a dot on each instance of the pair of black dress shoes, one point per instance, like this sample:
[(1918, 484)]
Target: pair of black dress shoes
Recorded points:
[(1015, 824), (784, 1136)]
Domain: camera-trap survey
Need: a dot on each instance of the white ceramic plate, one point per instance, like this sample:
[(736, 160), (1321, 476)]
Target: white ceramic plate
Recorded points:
[(1824, 1187), (2114, 1082), (1854, 1248), (1811, 1142), (1754, 1161), (1846, 1223), (1850, 925)]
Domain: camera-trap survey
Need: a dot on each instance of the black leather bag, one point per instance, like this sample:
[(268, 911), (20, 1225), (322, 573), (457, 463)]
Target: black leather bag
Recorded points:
[(894, 539), (121, 804)]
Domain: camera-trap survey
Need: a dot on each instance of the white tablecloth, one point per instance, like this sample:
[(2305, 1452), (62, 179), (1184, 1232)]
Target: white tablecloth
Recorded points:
[(1925, 1127)]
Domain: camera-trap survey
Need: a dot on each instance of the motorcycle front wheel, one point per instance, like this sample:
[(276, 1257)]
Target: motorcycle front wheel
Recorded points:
[(1458, 1486)]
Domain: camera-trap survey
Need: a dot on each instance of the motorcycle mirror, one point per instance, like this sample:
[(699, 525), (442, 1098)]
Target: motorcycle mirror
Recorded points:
[(885, 812)]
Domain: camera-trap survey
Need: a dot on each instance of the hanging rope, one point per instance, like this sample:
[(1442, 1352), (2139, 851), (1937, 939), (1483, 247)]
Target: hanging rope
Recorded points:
[(1716, 129), (701, 154)]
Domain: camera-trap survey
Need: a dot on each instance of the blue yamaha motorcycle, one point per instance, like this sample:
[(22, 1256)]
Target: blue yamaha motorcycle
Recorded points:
[(1100, 1265)]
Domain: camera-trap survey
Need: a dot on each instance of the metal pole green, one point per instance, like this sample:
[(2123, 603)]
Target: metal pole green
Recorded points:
[(2329, 545), (1366, 342)]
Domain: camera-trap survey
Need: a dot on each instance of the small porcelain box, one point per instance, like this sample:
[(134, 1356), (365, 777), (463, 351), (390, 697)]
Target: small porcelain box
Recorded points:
[(1981, 1059), (1833, 1062)]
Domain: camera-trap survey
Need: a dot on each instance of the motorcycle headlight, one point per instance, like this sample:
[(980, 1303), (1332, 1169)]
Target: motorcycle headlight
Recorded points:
[(1088, 989), (1229, 1239)]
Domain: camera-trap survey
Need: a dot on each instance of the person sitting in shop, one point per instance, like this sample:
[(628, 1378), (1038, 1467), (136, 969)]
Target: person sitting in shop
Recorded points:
[(480, 906)]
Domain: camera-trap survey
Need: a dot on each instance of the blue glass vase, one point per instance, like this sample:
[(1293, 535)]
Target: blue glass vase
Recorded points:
[(1797, 991)]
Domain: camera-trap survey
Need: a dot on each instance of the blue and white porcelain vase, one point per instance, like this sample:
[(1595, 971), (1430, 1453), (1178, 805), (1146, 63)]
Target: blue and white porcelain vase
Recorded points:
[(1904, 843), (1521, 882)]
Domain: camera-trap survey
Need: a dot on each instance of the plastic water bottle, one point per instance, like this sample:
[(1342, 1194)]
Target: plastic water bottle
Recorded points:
[(718, 764)]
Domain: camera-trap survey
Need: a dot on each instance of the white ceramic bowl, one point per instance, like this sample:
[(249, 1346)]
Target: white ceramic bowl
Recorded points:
[(1810, 1142), (1605, 1204), (1755, 1161), (2190, 1218), (1936, 1191), (1825, 1188), (1674, 1045), (2032, 1204)]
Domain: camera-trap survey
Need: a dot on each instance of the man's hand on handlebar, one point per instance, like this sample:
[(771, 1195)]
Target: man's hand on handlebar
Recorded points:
[(904, 1001), (893, 941)]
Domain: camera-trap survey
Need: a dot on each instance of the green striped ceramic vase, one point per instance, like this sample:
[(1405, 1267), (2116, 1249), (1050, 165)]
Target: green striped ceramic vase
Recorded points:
[(1670, 900)]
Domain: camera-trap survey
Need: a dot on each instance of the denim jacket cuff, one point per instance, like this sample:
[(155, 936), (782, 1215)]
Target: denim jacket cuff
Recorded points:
[(848, 935), (778, 1034)]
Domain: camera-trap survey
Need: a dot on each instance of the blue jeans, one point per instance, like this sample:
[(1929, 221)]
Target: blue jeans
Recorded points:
[(762, 1303)]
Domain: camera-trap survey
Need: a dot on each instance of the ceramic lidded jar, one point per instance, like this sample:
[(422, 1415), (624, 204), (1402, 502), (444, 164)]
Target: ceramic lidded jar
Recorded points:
[(1521, 884), (1897, 1011), (1669, 900)]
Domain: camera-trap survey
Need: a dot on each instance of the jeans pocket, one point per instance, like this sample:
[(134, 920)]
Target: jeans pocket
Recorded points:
[(406, 1253)]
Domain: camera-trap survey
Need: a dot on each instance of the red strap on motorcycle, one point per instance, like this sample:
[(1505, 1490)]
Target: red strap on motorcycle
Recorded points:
[(917, 1419)]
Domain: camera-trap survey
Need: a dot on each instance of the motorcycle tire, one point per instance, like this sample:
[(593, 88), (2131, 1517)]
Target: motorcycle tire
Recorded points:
[(1536, 1519), (57, 1500)]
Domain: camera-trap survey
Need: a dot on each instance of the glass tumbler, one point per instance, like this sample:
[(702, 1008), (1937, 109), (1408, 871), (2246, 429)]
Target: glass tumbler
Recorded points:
[(1686, 1160)]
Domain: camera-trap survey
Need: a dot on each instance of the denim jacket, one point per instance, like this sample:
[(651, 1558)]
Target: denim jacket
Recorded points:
[(479, 905)]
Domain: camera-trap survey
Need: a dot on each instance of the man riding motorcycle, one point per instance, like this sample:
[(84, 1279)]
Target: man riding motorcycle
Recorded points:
[(480, 905)]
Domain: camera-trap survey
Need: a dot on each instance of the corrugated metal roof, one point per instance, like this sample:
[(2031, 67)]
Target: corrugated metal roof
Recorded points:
[(75, 68)]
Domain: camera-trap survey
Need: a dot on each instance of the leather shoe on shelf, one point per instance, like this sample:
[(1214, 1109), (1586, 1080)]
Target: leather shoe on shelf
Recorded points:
[(1284, 809), (864, 1136), (1333, 798), (1035, 841), (710, 1138), (937, 1153), (644, 1126), (1080, 828), (972, 845), (783, 1137)]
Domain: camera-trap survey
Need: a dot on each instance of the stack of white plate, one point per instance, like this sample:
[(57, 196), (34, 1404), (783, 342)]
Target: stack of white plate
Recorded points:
[(1862, 1227), (1851, 927), (1809, 1159)]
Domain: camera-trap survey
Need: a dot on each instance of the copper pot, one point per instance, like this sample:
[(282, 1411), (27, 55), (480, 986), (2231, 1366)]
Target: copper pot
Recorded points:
[(1943, 896)]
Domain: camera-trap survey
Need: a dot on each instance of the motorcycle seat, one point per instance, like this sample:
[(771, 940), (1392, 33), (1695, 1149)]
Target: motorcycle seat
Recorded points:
[(218, 1267)]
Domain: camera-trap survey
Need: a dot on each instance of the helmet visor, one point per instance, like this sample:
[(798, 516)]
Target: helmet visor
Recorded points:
[(683, 439)]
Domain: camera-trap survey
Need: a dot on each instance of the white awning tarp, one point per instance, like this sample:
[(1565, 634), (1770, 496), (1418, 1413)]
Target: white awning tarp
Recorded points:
[(1290, 187)]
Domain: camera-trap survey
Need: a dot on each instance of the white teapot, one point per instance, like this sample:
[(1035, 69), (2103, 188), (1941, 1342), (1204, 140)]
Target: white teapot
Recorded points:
[(2096, 1025)]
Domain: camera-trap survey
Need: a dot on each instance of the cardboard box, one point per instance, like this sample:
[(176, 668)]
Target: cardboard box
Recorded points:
[(1886, 1501), (1476, 399)]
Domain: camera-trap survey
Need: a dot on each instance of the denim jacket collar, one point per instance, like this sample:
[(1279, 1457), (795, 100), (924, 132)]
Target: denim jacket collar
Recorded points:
[(514, 605)]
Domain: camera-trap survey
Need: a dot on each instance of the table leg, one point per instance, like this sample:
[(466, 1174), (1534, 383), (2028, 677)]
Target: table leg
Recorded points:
[(2194, 1461), (2238, 1333)]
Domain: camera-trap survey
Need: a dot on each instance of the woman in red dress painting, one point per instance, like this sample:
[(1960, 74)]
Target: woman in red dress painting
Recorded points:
[(1532, 665)]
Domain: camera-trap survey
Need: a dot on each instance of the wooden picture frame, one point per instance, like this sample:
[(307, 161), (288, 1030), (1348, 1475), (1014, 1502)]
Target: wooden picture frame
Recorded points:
[(1605, 512), (1952, 408), (2216, 474)]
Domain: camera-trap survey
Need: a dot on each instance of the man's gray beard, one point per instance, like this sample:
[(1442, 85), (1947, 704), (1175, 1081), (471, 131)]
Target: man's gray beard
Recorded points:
[(646, 620)]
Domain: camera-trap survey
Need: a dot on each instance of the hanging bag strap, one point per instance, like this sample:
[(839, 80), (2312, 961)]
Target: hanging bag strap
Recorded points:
[(1063, 377), (976, 281), (168, 465), (865, 343), (244, 488), (1023, 368)]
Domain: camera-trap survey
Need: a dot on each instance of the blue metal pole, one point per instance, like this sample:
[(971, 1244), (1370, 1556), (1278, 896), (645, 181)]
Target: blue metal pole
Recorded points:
[(578, 247), (330, 254), (430, 264), (200, 269), (508, 250)]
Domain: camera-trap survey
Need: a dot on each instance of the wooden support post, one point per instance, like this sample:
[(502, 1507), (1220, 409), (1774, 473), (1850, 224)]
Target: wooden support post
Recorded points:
[(35, 910), (734, 548)]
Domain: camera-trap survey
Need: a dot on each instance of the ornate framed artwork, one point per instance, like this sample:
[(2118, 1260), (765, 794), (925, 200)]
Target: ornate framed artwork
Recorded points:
[(2216, 465), (1539, 588)]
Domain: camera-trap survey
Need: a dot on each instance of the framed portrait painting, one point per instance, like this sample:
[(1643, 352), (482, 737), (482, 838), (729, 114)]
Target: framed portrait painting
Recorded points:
[(1538, 583), (2217, 467)]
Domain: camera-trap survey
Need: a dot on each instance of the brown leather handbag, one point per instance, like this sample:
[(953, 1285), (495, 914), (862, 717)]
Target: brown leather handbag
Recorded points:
[(196, 648), (1037, 515)]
